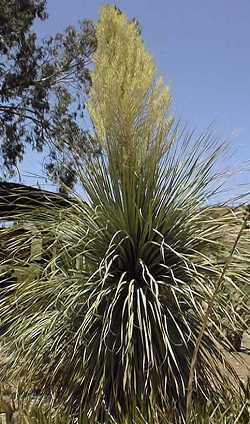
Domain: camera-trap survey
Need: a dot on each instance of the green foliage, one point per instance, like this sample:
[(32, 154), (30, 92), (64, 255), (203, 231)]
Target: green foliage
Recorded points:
[(109, 327), (236, 291), (43, 86), (17, 408)]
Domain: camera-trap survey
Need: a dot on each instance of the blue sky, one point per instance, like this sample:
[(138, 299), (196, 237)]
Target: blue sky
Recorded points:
[(202, 49)]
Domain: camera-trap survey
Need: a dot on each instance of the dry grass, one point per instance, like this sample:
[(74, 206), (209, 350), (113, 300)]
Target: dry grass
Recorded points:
[(241, 360)]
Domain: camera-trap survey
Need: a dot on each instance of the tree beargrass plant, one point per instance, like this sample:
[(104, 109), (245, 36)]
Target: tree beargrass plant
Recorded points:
[(107, 329)]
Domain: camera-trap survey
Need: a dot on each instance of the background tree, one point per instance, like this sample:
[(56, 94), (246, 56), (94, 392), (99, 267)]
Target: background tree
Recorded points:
[(43, 88)]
